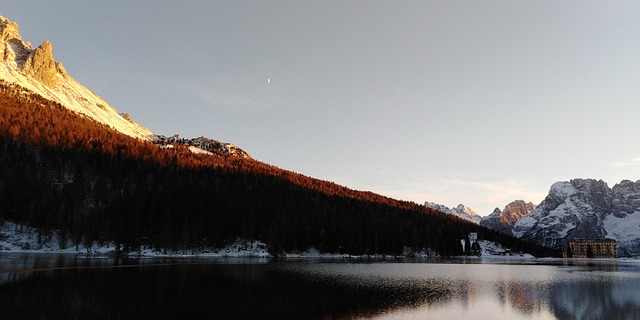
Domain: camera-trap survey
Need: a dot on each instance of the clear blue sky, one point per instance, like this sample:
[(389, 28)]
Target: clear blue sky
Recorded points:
[(474, 102)]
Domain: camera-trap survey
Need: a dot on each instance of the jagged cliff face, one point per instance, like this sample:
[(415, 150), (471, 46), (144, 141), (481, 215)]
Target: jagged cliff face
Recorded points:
[(41, 66), (586, 208), (35, 63), (36, 70), (503, 220), (626, 198)]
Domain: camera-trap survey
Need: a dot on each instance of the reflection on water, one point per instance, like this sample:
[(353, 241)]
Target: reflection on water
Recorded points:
[(69, 287)]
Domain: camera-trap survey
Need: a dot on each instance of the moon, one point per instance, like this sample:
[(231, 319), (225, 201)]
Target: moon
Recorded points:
[(268, 80)]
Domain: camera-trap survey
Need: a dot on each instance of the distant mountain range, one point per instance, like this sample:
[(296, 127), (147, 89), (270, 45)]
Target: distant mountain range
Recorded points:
[(580, 208), (586, 208), (460, 211)]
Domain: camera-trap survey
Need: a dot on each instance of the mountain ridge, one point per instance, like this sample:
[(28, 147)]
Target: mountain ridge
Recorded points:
[(578, 208), (36, 70), (586, 208), (460, 211)]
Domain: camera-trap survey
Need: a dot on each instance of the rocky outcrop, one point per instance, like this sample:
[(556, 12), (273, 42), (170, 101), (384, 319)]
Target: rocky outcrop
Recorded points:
[(626, 198), (12, 48), (8, 30), (503, 220), (38, 63), (203, 144), (41, 66)]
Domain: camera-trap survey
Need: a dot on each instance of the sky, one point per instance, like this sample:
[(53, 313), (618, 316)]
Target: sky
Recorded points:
[(473, 102)]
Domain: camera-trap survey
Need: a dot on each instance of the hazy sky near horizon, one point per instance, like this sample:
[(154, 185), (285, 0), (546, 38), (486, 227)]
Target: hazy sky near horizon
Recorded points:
[(474, 102)]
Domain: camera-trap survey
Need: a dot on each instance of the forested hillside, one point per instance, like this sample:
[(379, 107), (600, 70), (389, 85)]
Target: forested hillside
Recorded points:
[(61, 171)]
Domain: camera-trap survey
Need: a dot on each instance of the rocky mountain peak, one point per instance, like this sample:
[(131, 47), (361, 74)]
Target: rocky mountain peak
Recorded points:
[(35, 63), (461, 208), (503, 220), (41, 66), (626, 198), (8, 30), (516, 210)]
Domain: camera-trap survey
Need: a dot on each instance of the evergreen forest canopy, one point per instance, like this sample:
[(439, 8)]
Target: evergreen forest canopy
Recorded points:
[(61, 171)]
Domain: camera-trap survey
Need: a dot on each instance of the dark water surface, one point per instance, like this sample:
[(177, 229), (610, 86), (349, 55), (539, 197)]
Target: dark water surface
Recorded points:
[(70, 287)]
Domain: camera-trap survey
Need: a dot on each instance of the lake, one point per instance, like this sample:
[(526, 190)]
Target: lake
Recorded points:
[(74, 287)]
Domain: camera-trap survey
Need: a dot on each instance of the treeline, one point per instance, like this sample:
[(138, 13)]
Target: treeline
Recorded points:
[(61, 171)]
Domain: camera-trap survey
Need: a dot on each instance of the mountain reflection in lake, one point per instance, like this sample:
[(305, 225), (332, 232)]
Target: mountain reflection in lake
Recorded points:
[(69, 287)]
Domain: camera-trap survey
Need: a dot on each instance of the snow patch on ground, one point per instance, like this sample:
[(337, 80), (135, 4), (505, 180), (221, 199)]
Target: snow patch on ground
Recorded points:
[(17, 238), (315, 253), (492, 249), (197, 150), (239, 249)]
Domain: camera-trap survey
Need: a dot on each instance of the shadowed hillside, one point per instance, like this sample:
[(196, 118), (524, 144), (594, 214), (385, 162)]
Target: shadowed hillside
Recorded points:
[(61, 171)]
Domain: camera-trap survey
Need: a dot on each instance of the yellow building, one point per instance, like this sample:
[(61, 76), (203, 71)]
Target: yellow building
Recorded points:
[(593, 248)]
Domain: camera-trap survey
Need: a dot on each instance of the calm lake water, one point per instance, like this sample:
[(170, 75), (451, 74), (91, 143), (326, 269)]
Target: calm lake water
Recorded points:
[(69, 287)]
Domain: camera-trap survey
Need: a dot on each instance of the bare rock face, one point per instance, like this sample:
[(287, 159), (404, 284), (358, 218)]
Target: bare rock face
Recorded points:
[(626, 198), (12, 48), (515, 210), (8, 30), (41, 66), (503, 220), (35, 63), (61, 69)]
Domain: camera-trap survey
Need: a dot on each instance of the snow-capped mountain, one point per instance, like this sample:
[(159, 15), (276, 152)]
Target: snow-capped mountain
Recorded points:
[(586, 208), (37, 71), (461, 211), (503, 220)]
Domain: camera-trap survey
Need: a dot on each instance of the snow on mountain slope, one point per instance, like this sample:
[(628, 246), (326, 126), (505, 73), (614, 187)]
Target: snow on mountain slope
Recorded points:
[(572, 209), (586, 208), (460, 211), (626, 231), (503, 220), (37, 71), (202, 145)]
